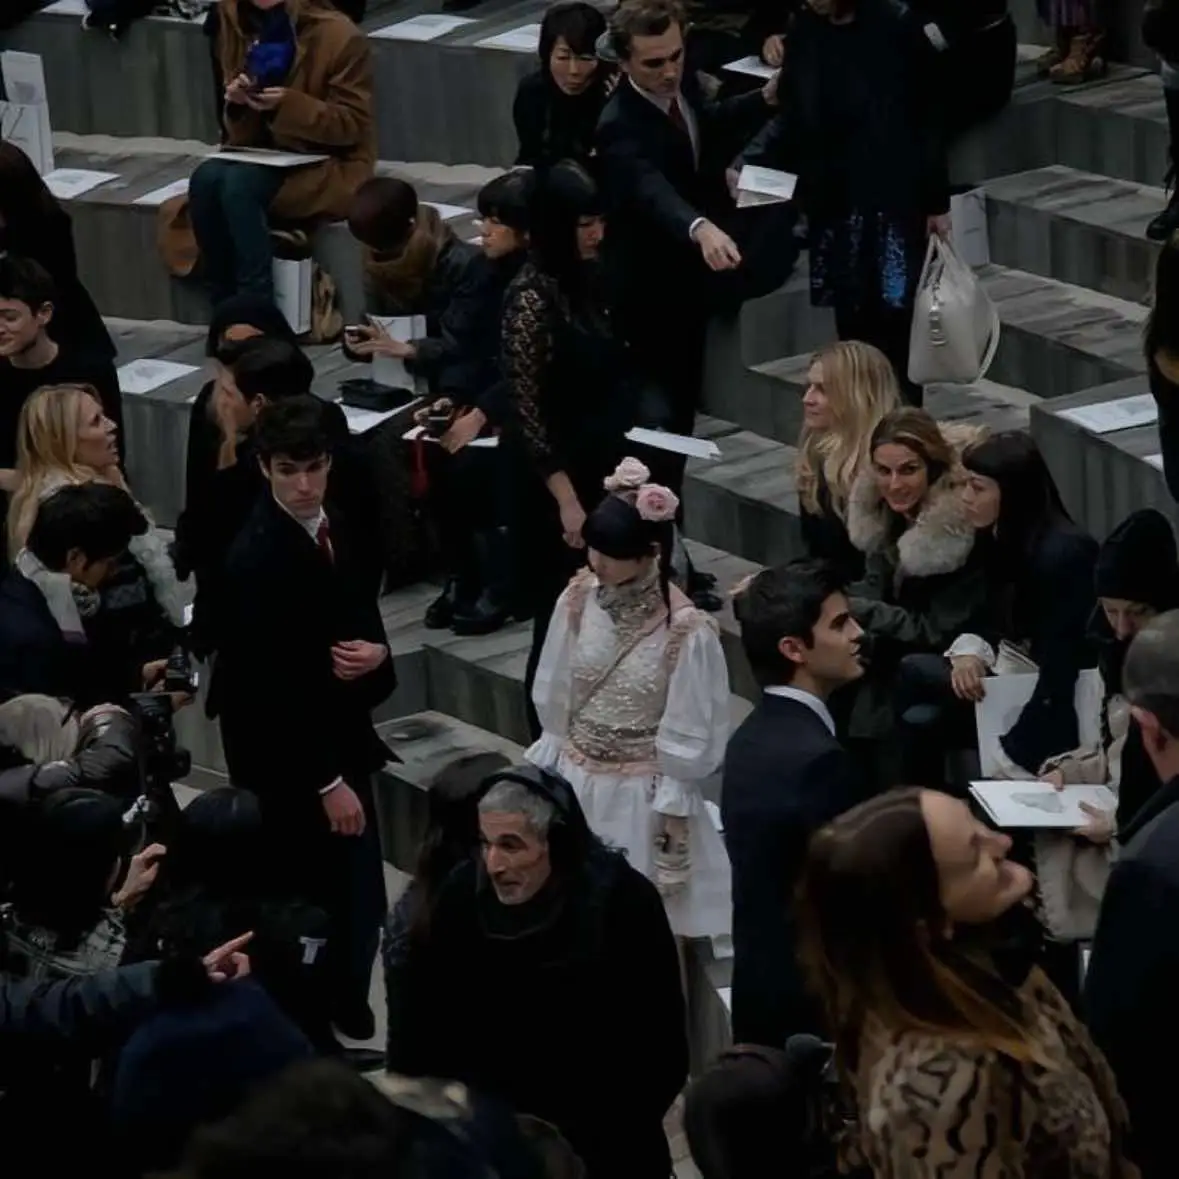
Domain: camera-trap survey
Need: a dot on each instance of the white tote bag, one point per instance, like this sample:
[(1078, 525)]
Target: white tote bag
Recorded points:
[(955, 330)]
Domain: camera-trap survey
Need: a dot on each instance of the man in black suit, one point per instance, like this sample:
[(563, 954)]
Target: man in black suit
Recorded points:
[(74, 546), (302, 662), (1133, 975), (664, 151), (785, 777)]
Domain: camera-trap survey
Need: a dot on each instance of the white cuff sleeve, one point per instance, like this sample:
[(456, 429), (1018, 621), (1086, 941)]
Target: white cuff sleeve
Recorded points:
[(331, 786), (695, 226), (935, 37), (972, 645)]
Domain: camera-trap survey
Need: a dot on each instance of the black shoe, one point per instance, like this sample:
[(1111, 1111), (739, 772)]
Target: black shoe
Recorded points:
[(440, 612), (1165, 224), (354, 1020), (483, 617)]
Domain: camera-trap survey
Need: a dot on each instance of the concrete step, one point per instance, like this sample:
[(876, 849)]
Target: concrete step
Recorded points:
[(118, 259), (1059, 338), (1102, 477), (448, 100), (1118, 128), (1077, 227)]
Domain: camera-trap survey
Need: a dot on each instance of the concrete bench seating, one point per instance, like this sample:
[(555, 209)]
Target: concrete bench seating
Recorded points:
[(1102, 477)]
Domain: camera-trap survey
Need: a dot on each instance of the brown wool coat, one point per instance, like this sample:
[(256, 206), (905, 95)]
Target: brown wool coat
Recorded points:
[(931, 1108), (328, 109)]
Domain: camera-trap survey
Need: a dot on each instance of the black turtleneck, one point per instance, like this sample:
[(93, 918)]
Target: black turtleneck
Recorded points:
[(552, 125)]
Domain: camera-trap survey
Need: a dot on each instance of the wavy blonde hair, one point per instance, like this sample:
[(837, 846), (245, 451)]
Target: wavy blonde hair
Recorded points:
[(46, 452), (861, 388)]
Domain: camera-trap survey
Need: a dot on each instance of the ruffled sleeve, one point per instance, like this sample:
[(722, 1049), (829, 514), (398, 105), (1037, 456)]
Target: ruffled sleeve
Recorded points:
[(692, 736), (551, 690)]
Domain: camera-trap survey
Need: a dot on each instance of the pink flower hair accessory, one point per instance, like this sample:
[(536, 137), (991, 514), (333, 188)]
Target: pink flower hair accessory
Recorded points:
[(629, 475), (656, 504)]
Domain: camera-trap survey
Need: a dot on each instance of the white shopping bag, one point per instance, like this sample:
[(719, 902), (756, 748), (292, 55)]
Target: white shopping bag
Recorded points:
[(968, 214), (292, 292)]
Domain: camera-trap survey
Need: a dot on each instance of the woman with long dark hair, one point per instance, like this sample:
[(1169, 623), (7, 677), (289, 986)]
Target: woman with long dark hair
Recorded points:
[(567, 390), (632, 693), (557, 108), (34, 225), (1040, 568), (960, 1056)]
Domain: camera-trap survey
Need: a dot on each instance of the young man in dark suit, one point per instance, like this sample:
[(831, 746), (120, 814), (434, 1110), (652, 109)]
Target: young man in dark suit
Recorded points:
[(664, 151), (302, 661), (1133, 976), (785, 776)]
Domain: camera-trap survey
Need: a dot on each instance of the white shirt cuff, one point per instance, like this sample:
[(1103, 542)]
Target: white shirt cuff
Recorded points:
[(972, 645), (331, 786), (936, 37), (695, 226)]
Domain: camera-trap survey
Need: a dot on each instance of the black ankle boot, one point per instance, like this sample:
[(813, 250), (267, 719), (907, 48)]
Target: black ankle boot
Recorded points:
[(440, 612), (488, 612)]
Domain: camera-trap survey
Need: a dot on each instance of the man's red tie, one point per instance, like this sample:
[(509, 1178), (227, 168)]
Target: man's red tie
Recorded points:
[(676, 114), (323, 540)]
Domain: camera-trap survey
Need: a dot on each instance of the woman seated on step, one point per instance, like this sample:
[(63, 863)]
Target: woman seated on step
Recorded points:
[(1040, 567), (850, 387), (298, 78), (924, 582), (138, 617)]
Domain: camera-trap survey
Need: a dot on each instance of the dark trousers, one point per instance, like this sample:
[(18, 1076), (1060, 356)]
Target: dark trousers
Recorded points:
[(931, 720), (887, 328), (230, 209), (469, 504), (341, 874)]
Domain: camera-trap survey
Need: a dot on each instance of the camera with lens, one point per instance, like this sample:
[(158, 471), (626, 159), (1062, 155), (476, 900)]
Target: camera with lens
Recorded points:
[(179, 673), (161, 762)]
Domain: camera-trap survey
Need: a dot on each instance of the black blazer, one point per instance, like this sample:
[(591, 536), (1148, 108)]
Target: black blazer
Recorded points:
[(785, 777), (1134, 976), (656, 188), (36, 657), (290, 727)]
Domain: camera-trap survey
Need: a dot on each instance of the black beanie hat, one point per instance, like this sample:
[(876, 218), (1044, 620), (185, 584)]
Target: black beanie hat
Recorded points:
[(1139, 562)]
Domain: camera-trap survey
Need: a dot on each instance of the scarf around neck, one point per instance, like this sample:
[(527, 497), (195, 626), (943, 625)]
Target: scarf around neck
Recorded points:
[(68, 601)]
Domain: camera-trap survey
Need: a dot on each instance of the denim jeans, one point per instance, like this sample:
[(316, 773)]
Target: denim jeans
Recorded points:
[(230, 209)]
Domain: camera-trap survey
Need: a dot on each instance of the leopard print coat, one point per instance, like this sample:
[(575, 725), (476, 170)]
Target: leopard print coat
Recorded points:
[(932, 1109)]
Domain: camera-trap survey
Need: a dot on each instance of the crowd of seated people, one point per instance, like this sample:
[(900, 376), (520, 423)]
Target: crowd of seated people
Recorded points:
[(203, 958)]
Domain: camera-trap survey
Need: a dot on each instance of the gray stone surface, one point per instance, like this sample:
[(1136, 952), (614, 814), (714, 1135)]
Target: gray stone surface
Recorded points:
[(1102, 477), (1115, 129), (1076, 227), (1059, 338)]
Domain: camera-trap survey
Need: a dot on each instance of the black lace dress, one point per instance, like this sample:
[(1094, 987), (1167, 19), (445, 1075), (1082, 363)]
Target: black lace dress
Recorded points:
[(570, 401)]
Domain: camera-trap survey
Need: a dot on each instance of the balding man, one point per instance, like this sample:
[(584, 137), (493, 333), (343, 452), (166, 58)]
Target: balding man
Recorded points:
[(1133, 981)]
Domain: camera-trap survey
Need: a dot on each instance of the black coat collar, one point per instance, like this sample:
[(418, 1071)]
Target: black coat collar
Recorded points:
[(1162, 799)]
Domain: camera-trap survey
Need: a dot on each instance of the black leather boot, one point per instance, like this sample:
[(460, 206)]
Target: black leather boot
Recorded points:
[(489, 611), (440, 612)]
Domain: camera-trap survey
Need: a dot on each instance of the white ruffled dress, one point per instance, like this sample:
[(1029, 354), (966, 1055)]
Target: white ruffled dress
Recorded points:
[(641, 745)]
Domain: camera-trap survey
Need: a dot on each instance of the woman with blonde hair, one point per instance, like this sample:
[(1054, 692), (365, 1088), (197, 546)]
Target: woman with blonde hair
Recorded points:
[(850, 387), (63, 437)]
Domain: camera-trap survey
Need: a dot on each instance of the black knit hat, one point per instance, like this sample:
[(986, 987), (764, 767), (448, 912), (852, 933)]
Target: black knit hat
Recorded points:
[(1139, 562)]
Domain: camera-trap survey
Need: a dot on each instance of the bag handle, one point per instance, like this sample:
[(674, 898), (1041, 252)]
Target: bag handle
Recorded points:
[(944, 250)]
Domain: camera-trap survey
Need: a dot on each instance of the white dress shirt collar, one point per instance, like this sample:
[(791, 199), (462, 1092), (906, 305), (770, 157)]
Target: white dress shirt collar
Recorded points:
[(817, 706), (311, 526)]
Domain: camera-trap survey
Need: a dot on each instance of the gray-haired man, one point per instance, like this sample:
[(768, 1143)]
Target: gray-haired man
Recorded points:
[(549, 979), (1133, 978)]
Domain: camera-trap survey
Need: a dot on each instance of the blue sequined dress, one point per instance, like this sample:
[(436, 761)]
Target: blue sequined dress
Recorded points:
[(866, 260)]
